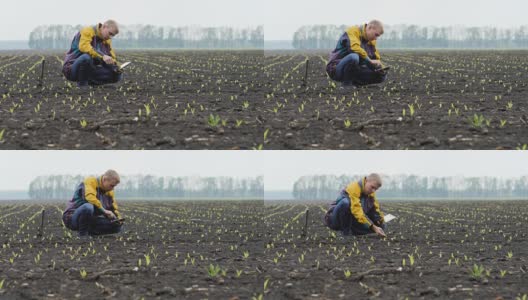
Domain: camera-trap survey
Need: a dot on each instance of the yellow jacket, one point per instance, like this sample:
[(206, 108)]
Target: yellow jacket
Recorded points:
[(356, 34), (361, 204)]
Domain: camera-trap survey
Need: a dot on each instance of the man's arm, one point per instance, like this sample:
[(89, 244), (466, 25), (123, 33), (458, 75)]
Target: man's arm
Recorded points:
[(85, 43), (112, 53), (354, 192), (378, 56), (114, 205), (378, 216), (90, 193), (355, 42)]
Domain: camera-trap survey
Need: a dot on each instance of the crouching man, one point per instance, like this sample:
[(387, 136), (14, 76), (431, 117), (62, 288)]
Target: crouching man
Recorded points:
[(91, 59), (356, 60), (356, 210), (93, 209)]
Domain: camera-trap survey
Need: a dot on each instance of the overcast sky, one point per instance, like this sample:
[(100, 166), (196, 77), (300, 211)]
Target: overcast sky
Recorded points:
[(282, 168), (279, 168), (20, 167), (280, 17)]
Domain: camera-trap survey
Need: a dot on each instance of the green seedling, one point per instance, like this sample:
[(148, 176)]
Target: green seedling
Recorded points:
[(147, 259), (477, 271), (147, 109), (213, 270), (411, 260), (266, 132), (477, 121), (213, 121), (411, 109)]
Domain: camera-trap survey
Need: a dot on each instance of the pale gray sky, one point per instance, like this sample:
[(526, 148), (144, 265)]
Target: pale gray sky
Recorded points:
[(20, 167), (279, 17), (282, 168), (18, 18), (279, 168), (288, 15)]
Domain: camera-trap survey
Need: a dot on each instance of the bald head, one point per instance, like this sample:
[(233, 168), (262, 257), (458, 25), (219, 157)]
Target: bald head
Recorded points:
[(110, 180), (374, 30)]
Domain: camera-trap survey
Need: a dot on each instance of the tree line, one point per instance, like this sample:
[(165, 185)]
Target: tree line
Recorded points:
[(414, 36), (150, 36), (327, 187), (149, 187)]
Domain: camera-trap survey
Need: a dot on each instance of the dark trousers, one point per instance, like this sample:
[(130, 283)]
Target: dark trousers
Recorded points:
[(352, 70), (87, 222), (85, 71)]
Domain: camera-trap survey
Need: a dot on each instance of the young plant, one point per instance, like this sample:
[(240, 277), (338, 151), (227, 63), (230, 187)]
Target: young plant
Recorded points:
[(266, 132), (411, 109), (266, 282), (213, 270), (213, 121), (477, 121), (147, 259), (147, 109), (477, 271), (411, 259)]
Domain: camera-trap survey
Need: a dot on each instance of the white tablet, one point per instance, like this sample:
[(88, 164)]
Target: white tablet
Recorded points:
[(124, 65), (389, 218)]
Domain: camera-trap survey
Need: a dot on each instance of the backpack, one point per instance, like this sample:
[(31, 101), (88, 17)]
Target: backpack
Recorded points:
[(328, 215)]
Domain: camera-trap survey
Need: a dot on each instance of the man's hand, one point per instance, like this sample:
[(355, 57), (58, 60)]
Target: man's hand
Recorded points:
[(108, 60), (109, 214), (378, 231), (376, 63)]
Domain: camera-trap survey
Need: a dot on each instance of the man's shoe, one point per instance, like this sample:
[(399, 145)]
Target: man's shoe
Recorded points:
[(83, 86), (85, 237), (347, 85)]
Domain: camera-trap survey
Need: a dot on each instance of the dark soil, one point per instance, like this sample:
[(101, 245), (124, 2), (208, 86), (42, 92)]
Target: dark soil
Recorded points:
[(445, 239), (445, 88), (182, 239), (181, 88), (460, 100)]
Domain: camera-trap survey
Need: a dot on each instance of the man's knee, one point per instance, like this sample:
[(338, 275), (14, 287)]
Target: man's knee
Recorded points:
[(344, 203), (85, 59), (86, 208), (352, 58)]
